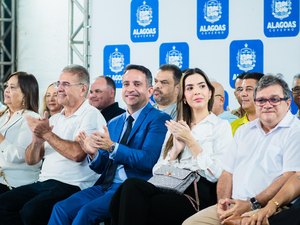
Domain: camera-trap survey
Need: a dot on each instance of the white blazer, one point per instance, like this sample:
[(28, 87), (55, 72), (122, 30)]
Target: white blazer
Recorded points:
[(17, 136)]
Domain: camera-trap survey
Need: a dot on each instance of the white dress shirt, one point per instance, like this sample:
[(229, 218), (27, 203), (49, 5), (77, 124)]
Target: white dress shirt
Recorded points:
[(255, 158), (214, 136)]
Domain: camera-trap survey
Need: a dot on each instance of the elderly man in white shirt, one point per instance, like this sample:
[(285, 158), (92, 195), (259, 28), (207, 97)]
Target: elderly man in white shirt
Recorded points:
[(65, 169), (263, 155)]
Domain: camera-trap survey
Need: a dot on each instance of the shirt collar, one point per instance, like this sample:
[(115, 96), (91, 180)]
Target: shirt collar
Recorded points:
[(136, 114), (79, 111), (285, 122), (210, 118)]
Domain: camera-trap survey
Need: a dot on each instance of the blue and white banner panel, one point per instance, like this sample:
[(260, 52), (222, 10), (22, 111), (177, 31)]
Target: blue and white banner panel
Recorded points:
[(281, 18), (245, 56), (212, 19), (174, 53), (115, 59), (144, 20)]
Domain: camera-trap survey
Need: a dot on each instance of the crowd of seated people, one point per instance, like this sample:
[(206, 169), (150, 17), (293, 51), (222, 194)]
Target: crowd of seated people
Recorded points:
[(85, 160)]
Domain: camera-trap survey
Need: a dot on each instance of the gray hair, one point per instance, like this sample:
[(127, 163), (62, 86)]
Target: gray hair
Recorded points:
[(296, 77), (270, 80), (80, 71)]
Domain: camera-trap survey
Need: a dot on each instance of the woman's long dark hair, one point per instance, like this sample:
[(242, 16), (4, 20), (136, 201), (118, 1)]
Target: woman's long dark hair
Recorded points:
[(30, 88), (184, 111)]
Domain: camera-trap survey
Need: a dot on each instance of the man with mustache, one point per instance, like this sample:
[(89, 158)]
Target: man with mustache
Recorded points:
[(166, 88)]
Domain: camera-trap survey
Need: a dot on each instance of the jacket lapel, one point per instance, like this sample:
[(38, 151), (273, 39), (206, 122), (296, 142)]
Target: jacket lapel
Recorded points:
[(16, 117), (117, 132)]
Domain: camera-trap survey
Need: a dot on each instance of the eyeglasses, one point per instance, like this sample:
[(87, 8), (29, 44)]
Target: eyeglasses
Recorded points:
[(296, 89), (65, 84), (273, 101)]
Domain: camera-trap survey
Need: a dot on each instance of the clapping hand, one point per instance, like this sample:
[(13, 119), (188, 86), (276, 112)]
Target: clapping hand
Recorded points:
[(90, 144), (39, 126)]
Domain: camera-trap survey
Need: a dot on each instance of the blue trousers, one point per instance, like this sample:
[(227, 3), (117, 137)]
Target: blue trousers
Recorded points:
[(89, 206)]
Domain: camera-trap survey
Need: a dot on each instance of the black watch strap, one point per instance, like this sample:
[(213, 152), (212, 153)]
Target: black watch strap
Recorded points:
[(254, 203), (112, 147)]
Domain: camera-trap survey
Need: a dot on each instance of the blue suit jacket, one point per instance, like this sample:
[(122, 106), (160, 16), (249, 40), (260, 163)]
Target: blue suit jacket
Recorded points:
[(143, 146)]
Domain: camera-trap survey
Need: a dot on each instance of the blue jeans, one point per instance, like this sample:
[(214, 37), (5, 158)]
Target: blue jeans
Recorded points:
[(89, 206)]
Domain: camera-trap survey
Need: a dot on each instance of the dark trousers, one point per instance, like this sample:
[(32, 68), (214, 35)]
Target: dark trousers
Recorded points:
[(3, 188), (290, 216), (138, 202), (32, 204)]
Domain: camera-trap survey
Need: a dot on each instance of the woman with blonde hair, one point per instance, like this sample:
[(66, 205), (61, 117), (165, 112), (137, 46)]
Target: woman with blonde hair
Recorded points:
[(50, 104)]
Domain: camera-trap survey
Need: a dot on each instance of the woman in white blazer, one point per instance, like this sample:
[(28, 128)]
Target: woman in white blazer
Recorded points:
[(21, 96)]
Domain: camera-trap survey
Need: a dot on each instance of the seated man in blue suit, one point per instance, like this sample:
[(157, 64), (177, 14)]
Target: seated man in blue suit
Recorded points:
[(128, 147)]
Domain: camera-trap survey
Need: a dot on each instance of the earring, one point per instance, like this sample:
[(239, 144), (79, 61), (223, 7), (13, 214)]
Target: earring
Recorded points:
[(184, 101), (23, 103)]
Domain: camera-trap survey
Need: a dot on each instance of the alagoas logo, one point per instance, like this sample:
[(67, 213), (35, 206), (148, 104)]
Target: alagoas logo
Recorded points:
[(212, 11), (281, 9), (144, 20), (281, 18), (174, 53), (115, 59), (212, 19), (174, 57), (245, 56), (144, 15)]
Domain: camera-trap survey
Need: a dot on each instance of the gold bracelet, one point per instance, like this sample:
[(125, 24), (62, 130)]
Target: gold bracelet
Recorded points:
[(276, 203)]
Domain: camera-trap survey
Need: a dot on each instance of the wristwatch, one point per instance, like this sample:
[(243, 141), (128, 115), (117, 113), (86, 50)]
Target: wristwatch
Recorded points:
[(112, 147), (254, 203)]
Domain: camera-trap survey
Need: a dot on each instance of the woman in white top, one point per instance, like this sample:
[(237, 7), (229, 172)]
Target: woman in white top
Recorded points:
[(195, 142), (21, 96)]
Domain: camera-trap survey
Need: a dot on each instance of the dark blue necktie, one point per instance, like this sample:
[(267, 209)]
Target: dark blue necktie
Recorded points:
[(112, 167)]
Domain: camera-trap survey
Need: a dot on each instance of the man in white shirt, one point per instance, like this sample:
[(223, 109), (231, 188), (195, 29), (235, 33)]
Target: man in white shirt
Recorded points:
[(263, 155), (65, 169), (166, 89)]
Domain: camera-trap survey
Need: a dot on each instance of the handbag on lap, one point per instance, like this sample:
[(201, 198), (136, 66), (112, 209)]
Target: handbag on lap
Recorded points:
[(170, 178)]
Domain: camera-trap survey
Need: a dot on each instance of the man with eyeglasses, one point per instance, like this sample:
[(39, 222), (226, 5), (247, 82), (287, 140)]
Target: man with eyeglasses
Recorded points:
[(296, 92), (219, 100), (262, 157), (249, 82), (65, 169)]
